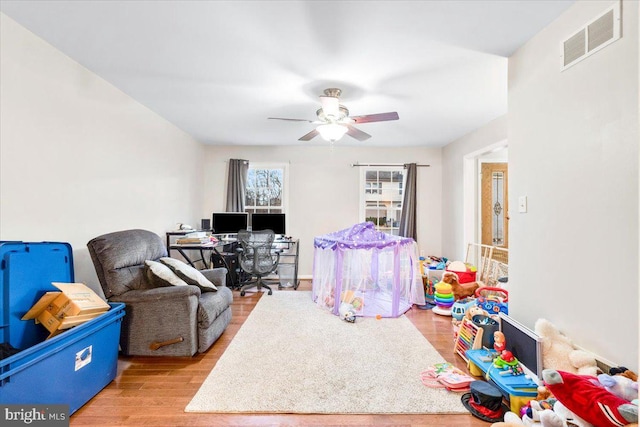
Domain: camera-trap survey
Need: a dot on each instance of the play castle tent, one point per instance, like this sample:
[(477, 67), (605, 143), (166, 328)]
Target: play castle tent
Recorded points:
[(371, 272)]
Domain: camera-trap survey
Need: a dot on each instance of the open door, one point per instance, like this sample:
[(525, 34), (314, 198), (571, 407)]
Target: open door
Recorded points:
[(494, 206)]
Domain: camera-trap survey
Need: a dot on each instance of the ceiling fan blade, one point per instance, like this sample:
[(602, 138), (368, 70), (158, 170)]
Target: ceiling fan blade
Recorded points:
[(330, 105), (290, 120), (357, 133), (380, 117), (309, 136)]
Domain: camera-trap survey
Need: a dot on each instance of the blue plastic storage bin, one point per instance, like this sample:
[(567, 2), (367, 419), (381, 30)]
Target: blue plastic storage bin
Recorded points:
[(69, 368)]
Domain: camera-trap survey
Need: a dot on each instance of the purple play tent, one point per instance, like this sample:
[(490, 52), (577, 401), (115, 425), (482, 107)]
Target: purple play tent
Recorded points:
[(370, 272)]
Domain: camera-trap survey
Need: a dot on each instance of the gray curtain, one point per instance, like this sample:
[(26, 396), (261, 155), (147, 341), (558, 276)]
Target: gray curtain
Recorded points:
[(238, 170), (408, 215)]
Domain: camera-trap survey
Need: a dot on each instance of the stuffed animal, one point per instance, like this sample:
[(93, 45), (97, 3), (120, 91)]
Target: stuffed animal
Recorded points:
[(621, 386), (561, 417), (559, 353), (621, 370), (510, 420), (587, 399), (347, 312), (460, 290)]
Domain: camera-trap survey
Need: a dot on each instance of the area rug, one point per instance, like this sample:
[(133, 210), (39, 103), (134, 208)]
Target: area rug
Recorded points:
[(291, 356)]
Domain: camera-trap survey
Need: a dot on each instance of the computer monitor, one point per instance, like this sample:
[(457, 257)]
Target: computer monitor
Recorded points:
[(228, 222), (525, 345), (268, 221)]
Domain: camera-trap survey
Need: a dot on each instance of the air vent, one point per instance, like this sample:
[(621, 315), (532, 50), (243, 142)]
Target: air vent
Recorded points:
[(597, 34)]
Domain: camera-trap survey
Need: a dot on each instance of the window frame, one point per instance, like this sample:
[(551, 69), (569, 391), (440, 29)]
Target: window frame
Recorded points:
[(363, 188), (285, 182)]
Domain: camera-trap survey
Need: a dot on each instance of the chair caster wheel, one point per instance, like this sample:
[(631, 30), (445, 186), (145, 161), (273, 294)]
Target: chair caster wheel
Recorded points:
[(241, 293), (270, 292)]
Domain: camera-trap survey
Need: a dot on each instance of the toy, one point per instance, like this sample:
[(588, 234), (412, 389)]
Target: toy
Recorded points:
[(508, 363), (534, 409), (494, 300), (347, 312), (587, 399), (621, 370), (460, 290), (561, 417), (510, 420), (559, 353), (499, 342), (443, 298), (619, 385), (460, 307)]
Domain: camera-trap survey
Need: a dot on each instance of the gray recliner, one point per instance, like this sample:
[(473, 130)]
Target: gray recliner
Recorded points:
[(159, 321)]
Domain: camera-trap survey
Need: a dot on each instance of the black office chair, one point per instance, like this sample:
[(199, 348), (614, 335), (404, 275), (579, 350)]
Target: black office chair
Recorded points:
[(257, 257)]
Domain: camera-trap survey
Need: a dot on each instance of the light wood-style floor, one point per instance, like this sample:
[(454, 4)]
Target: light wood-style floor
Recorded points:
[(154, 391)]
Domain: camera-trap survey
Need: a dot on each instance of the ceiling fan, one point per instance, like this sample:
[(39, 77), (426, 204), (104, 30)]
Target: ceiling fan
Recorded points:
[(334, 119)]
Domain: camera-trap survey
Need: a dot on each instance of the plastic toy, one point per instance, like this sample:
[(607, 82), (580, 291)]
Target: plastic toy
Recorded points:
[(459, 308), (508, 363), (499, 342), (443, 297), (494, 300)]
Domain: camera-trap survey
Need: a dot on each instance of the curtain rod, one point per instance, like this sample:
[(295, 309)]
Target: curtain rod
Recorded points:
[(353, 165)]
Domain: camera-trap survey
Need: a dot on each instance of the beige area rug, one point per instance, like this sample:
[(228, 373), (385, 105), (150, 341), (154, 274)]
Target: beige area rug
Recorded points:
[(291, 356)]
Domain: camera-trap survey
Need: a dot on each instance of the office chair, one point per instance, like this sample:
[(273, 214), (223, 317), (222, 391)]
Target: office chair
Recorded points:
[(257, 257)]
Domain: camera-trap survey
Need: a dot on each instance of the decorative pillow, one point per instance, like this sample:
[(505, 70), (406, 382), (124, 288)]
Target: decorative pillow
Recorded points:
[(162, 275), (189, 274)]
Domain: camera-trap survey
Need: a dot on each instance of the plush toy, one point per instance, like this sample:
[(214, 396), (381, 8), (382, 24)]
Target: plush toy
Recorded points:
[(559, 353), (587, 399), (510, 420), (621, 370), (347, 312), (460, 290), (619, 385), (561, 417), (534, 409)]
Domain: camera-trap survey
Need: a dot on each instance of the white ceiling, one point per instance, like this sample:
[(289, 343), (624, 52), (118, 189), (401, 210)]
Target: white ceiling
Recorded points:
[(218, 69)]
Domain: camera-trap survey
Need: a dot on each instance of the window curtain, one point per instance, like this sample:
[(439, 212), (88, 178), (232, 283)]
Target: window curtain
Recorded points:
[(236, 184), (408, 214)]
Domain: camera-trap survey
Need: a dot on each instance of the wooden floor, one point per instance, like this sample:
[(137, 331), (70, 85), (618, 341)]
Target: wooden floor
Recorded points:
[(151, 391)]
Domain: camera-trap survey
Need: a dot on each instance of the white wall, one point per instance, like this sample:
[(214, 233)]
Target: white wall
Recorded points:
[(324, 188), (79, 158), (573, 151), (454, 239)]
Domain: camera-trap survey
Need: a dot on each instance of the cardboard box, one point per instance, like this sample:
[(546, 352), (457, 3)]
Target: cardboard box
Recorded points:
[(75, 304)]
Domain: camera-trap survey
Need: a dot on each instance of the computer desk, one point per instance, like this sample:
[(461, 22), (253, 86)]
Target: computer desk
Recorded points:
[(207, 250)]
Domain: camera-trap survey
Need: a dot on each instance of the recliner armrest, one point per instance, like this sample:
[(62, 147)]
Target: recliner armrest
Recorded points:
[(157, 294)]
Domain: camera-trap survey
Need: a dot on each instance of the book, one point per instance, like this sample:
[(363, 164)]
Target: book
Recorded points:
[(445, 375)]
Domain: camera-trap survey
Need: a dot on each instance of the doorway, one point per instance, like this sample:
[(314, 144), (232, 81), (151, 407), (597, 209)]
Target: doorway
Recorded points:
[(494, 206)]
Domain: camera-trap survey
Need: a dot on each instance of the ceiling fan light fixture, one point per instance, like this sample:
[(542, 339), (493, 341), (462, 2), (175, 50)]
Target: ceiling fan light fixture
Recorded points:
[(331, 132)]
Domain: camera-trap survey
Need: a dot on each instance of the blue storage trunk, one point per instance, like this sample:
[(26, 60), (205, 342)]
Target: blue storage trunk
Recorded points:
[(69, 368)]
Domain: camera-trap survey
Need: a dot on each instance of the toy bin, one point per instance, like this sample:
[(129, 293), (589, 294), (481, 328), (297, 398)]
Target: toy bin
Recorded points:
[(71, 367)]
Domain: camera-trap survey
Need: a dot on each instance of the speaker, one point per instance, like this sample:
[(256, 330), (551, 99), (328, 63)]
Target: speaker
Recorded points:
[(205, 224)]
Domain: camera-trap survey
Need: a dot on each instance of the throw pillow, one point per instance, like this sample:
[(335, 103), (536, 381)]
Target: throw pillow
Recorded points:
[(189, 274), (161, 275)]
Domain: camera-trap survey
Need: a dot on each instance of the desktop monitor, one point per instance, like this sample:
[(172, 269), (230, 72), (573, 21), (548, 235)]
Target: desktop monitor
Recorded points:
[(268, 221), (228, 222), (525, 345)]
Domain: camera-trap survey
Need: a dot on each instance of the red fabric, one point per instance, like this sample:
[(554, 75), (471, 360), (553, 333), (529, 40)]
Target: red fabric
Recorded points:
[(587, 400), (486, 411)]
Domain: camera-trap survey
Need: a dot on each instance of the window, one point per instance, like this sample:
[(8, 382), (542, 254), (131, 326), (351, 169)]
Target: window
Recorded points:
[(266, 188), (381, 197)]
